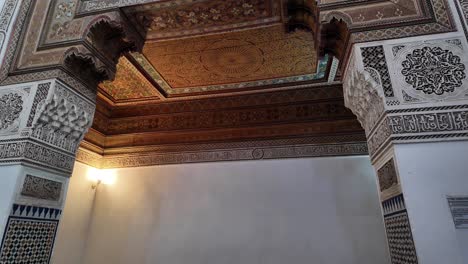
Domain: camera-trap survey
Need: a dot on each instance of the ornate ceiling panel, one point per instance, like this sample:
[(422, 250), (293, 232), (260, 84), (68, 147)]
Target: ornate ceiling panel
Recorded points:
[(256, 54), (380, 12), (291, 114), (251, 51), (237, 61), (129, 84), (179, 18)]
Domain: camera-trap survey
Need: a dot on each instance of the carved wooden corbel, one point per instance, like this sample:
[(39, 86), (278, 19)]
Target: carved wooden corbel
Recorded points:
[(86, 67), (110, 39), (303, 15)]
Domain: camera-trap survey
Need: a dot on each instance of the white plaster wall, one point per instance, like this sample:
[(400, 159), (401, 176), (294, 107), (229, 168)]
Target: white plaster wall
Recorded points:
[(316, 210), (73, 229), (9, 176), (428, 173)]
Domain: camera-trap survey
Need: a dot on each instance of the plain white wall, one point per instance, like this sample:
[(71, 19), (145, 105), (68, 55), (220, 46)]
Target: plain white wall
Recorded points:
[(9, 181), (315, 210), (429, 172), (73, 229)]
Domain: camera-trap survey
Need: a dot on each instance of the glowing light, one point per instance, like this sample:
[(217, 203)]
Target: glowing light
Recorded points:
[(98, 176)]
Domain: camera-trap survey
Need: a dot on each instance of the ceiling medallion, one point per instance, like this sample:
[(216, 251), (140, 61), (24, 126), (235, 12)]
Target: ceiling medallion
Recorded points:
[(232, 58)]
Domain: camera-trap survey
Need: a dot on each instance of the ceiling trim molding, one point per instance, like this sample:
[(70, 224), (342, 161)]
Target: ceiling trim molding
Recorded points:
[(156, 158)]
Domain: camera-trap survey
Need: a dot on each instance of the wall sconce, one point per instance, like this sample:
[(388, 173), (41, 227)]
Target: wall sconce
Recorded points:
[(99, 176)]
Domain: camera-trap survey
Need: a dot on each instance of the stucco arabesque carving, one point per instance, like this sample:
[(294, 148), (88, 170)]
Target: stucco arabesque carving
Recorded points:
[(43, 124), (362, 97), (12, 106), (433, 70), (63, 119), (436, 70)]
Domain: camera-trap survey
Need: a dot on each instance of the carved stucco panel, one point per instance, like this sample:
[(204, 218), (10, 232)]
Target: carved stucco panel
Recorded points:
[(41, 188), (14, 103), (363, 92), (63, 119), (429, 71)]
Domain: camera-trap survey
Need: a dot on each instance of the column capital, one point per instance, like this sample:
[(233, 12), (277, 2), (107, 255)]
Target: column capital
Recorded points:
[(42, 124), (406, 91)]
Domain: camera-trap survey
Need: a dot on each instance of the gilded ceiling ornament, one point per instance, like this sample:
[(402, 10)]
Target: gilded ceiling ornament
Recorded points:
[(433, 70), (129, 83), (232, 58)]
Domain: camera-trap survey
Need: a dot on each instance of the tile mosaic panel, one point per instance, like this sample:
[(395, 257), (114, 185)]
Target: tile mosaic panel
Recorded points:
[(29, 235), (28, 241), (374, 57), (459, 208), (399, 236)]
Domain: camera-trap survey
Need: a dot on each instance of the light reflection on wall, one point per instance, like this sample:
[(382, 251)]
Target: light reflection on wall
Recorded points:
[(104, 176)]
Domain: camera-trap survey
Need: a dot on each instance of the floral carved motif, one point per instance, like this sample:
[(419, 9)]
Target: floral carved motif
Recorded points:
[(64, 25), (41, 188), (387, 176), (433, 70), (11, 106)]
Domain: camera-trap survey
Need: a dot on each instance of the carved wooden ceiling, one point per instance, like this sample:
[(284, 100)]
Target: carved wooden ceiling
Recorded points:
[(222, 74), (207, 47), (182, 18), (234, 57)]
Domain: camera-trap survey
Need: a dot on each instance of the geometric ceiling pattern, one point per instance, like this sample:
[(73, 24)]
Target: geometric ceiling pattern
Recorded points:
[(207, 47), (214, 74), (249, 55), (129, 83), (205, 64)]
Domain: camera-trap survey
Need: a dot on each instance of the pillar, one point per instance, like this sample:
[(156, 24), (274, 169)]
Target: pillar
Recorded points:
[(48, 87), (41, 126), (411, 97)]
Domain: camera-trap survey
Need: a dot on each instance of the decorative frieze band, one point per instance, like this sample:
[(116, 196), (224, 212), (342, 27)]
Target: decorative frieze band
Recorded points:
[(413, 126), (429, 122), (393, 205), (36, 212), (35, 153), (253, 153)]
